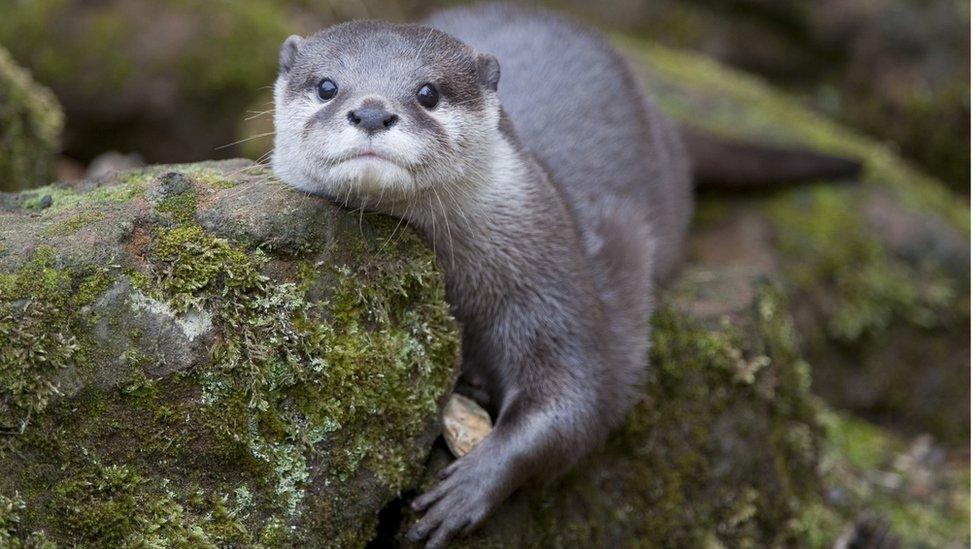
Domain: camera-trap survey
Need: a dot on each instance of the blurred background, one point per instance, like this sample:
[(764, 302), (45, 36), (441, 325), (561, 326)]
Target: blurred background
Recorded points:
[(181, 80), (877, 272)]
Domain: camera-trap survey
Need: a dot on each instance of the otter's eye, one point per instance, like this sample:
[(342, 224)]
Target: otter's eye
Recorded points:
[(427, 96), (327, 89)]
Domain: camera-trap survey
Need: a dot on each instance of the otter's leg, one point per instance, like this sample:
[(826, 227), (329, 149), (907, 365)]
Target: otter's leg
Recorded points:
[(530, 441), (477, 380), (473, 386)]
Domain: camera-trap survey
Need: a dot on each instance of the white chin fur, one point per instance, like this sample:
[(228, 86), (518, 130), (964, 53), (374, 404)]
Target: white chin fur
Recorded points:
[(371, 176), (362, 178)]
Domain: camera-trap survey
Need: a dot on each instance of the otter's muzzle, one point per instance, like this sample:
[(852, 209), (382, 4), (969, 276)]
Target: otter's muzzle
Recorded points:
[(372, 119)]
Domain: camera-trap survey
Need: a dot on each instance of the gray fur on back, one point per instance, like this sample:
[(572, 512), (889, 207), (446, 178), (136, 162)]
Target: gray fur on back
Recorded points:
[(577, 107)]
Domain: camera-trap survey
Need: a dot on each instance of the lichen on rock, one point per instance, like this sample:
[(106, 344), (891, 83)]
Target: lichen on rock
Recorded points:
[(207, 388)]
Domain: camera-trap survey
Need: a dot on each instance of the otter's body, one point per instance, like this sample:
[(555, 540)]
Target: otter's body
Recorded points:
[(578, 109), (552, 204)]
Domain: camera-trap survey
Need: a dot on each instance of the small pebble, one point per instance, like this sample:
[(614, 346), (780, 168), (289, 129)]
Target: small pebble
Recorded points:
[(465, 424), (45, 202)]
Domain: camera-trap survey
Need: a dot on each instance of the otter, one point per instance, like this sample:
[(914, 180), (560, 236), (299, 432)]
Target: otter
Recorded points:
[(555, 198)]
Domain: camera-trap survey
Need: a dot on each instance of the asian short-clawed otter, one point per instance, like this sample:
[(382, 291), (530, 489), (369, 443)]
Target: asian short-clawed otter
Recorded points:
[(554, 197)]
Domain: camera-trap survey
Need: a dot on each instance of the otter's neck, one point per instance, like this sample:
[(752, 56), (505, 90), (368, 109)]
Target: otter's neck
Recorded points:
[(505, 228)]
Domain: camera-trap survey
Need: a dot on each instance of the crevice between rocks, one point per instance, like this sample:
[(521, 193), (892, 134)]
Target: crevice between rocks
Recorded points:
[(390, 521)]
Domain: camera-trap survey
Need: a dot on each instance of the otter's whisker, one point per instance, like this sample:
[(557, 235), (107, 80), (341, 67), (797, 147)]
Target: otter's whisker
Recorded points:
[(447, 225), (424, 44), (389, 238), (246, 139), (251, 115)]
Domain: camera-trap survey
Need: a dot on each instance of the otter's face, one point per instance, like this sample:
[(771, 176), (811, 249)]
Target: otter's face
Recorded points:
[(366, 109)]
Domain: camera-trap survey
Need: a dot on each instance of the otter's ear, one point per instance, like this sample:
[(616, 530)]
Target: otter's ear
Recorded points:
[(288, 53), (488, 70)]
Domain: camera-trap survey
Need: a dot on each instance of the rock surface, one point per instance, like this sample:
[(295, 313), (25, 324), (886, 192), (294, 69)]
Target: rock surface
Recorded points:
[(876, 272), (198, 355), (465, 424), (30, 128)]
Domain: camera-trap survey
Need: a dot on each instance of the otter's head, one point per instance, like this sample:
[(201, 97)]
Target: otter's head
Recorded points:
[(368, 109)]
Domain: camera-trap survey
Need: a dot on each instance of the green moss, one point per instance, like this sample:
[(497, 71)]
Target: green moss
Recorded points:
[(41, 333), (827, 249), (305, 376), (33, 348), (115, 506), (64, 198), (925, 502), (30, 128), (200, 173), (702, 376), (721, 449), (75, 222), (10, 510), (290, 375), (182, 206), (93, 286)]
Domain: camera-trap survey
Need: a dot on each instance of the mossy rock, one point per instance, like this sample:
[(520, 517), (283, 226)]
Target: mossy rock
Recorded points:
[(200, 356), (721, 451), (729, 448), (895, 69), (912, 487), (876, 271), (170, 80), (30, 128)]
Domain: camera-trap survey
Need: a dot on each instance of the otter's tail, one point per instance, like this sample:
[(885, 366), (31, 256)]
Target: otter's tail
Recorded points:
[(719, 163)]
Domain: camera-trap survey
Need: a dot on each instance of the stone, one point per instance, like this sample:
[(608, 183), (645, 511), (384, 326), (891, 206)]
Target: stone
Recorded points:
[(465, 424)]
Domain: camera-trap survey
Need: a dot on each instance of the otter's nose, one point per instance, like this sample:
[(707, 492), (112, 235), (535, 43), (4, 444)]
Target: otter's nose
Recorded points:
[(372, 119)]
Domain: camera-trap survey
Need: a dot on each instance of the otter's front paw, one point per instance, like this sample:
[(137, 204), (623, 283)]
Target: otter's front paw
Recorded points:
[(457, 505)]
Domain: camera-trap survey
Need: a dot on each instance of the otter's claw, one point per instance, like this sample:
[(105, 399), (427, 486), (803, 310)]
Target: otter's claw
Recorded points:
[(458, 504)]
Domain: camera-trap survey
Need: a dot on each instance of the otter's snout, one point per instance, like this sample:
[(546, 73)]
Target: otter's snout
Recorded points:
[(372, 119)]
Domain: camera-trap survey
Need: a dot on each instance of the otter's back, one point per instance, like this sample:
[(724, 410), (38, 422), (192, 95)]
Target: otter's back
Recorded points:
[(576, 106)]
